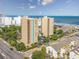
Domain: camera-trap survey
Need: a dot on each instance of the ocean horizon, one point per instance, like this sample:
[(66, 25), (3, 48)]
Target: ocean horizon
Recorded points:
[(60, 19)]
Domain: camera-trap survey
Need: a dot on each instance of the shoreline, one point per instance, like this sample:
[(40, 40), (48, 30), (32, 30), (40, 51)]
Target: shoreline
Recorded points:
[(66, 24)]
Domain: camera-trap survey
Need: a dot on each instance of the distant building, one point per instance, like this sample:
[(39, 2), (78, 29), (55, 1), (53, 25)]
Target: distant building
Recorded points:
[(47, 25), (6, 21), (1, 21), (51, 51), (29, 31), (74, 54), (17, 21)]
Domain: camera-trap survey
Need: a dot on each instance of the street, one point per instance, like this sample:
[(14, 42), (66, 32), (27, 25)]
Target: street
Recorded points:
[(9, 54), (65, 41), (1, 57)]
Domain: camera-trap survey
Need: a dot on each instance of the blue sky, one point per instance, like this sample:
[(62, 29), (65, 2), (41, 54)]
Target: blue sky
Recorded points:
[(40, 7)]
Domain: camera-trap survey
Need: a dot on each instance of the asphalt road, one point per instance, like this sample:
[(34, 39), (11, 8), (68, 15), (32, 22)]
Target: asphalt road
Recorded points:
[(65, 41), (9, 54), (1, 57)]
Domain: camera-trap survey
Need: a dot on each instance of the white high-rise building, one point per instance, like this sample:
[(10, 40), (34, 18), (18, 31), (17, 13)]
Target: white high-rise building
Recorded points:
[(10, 21), (1, 21), (17, 20), (7, 21)]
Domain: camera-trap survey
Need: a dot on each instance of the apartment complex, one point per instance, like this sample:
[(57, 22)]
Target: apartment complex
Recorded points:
[(47, 25), (29, 31), (6, 21)]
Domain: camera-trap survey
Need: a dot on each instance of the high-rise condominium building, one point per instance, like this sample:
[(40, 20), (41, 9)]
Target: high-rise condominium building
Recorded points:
[(47, 26), (7, 21), (29, 30)]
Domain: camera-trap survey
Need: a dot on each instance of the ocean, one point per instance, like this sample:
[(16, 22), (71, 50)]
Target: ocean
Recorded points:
[(67, 19), (63, 19)]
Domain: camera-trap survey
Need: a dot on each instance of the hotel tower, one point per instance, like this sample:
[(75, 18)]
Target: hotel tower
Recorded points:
[(47, 25), (29, 30)]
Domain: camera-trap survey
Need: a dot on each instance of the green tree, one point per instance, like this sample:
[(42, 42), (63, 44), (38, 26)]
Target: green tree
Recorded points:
[(54, 37), (47, 39), (43, 50), (37, 55), (26, 57), (12, 42), (20, 47), (55, 31), (3, 32), (10, 32), (61, 33), (34, 45)]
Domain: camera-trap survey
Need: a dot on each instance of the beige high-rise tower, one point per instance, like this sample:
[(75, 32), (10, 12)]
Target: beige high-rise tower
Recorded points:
[(47, 26), (29, 30)]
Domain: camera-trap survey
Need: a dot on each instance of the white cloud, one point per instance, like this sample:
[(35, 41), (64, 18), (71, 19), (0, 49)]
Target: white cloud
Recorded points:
[(32, 6), (45, 2)]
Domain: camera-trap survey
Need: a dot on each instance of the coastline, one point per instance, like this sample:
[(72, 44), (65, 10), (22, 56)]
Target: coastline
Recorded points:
[(66, 24)]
